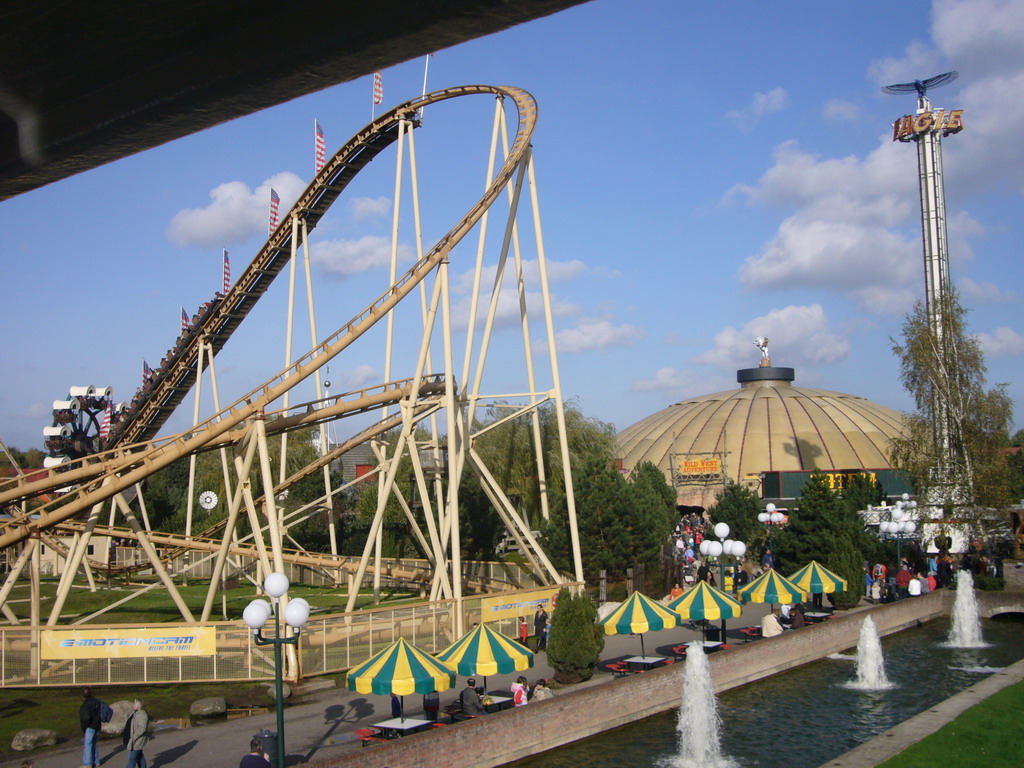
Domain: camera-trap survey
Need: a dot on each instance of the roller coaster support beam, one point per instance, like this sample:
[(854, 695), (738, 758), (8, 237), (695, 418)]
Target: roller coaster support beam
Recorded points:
[(154, 558), (229, 529), (570, 495), (15, 574), (269, 504), (64, 585)]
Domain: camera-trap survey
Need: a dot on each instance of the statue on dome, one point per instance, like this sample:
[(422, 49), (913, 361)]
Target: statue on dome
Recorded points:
[(761, 342)]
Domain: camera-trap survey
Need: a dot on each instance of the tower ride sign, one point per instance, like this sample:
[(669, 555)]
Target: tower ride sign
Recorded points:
[(908, 127)]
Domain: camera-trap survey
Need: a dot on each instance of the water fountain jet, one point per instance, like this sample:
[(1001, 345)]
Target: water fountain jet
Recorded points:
[(699, 726), (965, 631), (870, 662)]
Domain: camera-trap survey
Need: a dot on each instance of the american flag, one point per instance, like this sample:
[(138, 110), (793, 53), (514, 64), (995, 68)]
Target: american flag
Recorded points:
[(321, 147), (378, 88), (147, 372), (275, 201), (184, 319), (227, 273), (105, 424)]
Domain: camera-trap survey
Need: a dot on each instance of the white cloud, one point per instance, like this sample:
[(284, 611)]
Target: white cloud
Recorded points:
[(984, 292), (761, 106), (1004, 342), (595, 333), (368, 208), (506, 314), (355, 379), (235, 213), (797, 334), (852, 223), (343, 258), (668, 380), (558, 271), (840, 110)]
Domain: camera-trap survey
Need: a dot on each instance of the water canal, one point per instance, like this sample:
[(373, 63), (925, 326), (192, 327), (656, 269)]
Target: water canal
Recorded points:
[(805, 717)]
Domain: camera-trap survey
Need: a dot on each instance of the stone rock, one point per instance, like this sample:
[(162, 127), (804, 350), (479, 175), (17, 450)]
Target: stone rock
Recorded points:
[(208, 707), (116, 725), (286, 691), (32, 738)]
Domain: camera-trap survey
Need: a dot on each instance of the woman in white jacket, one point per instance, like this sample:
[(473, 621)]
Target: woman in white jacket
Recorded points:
[(138, 736)]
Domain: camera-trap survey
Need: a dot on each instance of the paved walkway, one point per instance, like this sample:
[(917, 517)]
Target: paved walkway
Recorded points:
[(324, 723)]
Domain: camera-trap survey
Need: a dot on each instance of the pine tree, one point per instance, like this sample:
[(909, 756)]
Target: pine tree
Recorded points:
[(575, 642), (848, 562)]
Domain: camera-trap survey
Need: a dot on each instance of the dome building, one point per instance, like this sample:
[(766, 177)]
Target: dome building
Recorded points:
[(767, 435)]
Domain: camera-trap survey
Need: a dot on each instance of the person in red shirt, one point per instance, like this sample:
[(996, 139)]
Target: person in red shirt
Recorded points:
[(524, 630), (903, 583)]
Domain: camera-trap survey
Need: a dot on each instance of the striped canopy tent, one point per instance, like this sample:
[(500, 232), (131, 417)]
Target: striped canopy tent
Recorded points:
[(705, 602), (401, 668), (771, 587), (816, 578), (639, 614), (484, 651)]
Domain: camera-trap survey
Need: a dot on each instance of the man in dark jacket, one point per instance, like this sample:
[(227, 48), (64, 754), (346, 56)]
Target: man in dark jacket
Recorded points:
[(89, 717), (470, 700)]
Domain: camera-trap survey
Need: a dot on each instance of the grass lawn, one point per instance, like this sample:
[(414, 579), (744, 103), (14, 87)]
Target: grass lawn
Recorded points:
[(988, 734)]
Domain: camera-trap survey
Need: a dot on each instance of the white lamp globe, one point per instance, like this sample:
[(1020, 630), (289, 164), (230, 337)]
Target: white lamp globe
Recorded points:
[(739, 549), (912, 504), (727, 546), (883, 527), (704, 546), (715, 548), (722, 530), (910, 526), (897, 515), (763, 517), (905, 497), (276, 584), (769, 508), (255, 615), (297, 613), (777, 517)]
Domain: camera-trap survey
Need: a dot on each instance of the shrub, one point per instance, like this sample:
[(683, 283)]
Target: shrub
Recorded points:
[(575, 643), (989, 583)]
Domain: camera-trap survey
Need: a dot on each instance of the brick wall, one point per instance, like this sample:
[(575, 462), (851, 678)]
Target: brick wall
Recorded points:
[(600, 704)]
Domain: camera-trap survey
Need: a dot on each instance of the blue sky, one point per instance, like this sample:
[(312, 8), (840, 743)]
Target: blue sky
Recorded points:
[(708, 172)]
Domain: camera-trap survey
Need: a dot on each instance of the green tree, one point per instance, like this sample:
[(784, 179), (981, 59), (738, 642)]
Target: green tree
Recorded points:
[(815, 526), (652, 512), (952, 443), (847, 561), (575, 642), (739, 507)]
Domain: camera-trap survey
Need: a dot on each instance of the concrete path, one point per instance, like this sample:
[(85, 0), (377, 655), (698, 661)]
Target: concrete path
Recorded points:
[(321, 724), (896, 739)]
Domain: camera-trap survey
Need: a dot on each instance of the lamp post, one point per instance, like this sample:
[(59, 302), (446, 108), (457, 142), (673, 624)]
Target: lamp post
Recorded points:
[(771, 516), (900, 524), (719, 550), (296, 614)]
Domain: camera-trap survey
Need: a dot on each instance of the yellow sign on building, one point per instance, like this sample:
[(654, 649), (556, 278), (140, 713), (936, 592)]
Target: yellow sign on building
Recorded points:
[(698, 467), (516, 605), (127, 643)]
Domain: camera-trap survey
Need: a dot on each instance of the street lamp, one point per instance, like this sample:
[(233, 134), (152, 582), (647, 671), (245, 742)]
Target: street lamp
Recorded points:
[(718, 550), (771, 516), (296, 614), (900, 524)]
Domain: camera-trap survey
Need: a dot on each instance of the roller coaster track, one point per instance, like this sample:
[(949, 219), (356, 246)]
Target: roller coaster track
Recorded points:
[(176, 377), (114, 477)]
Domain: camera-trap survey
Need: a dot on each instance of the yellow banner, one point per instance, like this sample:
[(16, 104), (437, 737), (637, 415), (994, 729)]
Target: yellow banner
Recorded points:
[(127, 643), (519, 604), (698, 467)]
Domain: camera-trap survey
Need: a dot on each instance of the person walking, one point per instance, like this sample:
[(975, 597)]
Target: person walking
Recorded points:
[(89, 718), (540, 622), (138, 736)]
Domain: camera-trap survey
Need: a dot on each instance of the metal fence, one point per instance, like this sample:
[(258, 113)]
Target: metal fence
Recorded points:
[(327, 644)]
